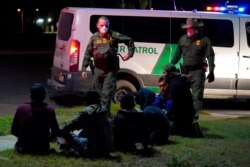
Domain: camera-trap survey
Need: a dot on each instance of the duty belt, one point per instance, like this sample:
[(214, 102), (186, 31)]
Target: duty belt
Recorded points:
[(186, 69)]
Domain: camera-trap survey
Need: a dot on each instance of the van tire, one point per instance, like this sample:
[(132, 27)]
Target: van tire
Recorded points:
[(123, 87)]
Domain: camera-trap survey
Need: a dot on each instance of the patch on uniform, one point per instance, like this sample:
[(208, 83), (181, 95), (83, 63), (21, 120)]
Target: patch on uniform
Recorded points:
[(98, 41), (198, 42), (104, 40)]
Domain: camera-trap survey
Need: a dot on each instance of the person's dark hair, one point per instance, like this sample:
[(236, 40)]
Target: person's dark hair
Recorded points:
[(170, 70), (37, 92), (162, 79), (91, 97), (127, 102)]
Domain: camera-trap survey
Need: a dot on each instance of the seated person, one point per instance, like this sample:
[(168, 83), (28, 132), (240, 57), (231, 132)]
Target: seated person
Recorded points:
[(181, 111), (34, 123), (144, 97), (162, 100), (156, 122), (128, 126), (97, 140)]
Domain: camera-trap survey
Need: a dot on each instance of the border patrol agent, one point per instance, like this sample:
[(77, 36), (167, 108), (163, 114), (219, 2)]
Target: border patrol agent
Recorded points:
[(196, 51), (103, 47)]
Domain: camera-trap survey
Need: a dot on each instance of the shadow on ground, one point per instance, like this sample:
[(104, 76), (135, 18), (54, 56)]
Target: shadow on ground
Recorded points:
[(230, 104), (77, 99), (68, 100)]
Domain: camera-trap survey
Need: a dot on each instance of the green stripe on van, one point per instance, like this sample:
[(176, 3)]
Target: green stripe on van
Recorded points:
[(164, 58)]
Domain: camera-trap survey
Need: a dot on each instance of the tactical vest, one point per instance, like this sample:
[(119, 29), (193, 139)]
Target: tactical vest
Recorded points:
[(104, 57)]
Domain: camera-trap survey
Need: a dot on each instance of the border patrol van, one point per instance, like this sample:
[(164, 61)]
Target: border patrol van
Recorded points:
[(156, 34)]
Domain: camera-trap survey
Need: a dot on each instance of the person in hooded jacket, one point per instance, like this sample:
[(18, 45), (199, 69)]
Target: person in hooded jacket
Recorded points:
[(128, 126), (96, 139), (35, 123), (181, 112)]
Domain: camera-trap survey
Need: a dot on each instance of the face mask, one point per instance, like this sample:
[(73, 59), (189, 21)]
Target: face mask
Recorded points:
[(103, 30), (190, 32)]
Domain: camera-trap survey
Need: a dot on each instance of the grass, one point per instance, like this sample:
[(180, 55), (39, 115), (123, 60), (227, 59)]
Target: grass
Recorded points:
[(226, 143), (5, 125)]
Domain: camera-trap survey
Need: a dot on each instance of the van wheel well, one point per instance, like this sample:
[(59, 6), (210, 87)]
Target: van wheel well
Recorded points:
[(124, 85), (130, 78)]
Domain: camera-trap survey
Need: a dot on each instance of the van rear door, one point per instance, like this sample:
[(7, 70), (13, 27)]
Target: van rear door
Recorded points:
[(62, 50), (244, 54)]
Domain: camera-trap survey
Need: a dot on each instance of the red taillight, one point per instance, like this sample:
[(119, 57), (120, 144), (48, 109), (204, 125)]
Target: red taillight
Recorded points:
[(74, 55)]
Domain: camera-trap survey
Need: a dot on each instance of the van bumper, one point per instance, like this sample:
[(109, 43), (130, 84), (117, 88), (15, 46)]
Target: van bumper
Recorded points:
[(55, 85), (64, 81)]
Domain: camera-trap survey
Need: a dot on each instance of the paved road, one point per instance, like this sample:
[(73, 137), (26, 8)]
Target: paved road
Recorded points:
[(17, 74), (7, 142)]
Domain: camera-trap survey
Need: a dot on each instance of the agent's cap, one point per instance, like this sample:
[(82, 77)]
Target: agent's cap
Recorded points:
[(37, 92), (192, 23)]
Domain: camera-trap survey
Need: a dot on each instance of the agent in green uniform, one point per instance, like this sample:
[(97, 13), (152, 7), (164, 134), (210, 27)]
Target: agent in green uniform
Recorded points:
[(198, 54), (103, 47)]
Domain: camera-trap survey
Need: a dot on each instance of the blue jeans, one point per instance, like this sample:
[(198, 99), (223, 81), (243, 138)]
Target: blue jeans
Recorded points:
[(79, 144)]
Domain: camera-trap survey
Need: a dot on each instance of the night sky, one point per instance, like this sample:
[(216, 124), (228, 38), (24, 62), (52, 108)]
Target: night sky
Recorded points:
[(10, 18), (163, 4)]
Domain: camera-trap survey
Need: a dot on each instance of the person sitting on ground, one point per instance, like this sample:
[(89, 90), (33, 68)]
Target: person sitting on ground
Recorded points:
[(35, 123), (156, 122), (181, 112), (97, 140), (128, 126), (162, 100)]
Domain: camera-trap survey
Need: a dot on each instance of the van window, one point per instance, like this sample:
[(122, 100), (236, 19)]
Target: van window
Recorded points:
[(65, 24), (248, 33), (141, 29), (176, 30), (167, 30), (220, 32)]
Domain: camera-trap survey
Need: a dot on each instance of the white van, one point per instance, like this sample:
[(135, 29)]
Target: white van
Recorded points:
[(156, 33)]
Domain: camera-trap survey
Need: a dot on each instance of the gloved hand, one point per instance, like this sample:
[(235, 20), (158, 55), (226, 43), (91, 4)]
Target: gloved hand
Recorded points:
[(210, 77)]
